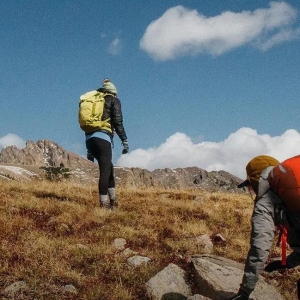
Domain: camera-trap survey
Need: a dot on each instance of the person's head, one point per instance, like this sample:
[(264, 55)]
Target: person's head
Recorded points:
[(254, 168), (109, 86)]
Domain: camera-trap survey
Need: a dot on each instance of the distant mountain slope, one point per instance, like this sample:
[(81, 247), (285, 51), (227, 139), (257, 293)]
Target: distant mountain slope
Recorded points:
[(24, 164), (42, 153), (179, 178)]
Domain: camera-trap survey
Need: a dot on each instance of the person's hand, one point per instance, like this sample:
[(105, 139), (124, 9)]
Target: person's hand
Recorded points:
[(90, 156), (125, 147), (241, 295)]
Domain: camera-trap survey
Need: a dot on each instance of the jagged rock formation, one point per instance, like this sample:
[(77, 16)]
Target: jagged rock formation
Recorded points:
[(50, 154), (179, 178), (42, 153)]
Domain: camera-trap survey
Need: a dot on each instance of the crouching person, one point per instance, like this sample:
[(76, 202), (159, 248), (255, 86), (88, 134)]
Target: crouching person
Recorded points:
[(277, 203)]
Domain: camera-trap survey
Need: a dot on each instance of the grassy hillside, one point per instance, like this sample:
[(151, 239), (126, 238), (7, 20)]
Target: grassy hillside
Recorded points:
[(54, 234)]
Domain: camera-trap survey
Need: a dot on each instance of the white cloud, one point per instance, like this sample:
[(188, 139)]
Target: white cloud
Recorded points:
[(231, 155), (10, 140), (280, 37), (180, 31), (115, 47)]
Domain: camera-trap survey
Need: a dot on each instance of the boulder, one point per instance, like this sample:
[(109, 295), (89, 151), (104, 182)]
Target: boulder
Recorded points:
[(169, 282), (220, 278)]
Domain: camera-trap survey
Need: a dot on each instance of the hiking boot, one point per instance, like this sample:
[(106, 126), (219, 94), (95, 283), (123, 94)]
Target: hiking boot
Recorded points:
[(105, 205), (113, 204)]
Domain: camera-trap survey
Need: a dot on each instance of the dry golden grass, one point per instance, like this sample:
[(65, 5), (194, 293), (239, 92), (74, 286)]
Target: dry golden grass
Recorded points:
[(54, 233)]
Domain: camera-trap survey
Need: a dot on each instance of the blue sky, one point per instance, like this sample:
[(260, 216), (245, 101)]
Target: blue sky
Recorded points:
[(205, 83)]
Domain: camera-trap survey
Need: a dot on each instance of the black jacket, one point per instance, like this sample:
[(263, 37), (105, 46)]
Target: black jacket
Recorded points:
[(113, 110)]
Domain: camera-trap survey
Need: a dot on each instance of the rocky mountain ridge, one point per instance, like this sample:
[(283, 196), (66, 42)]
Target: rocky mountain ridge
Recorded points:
[(24, 164), (42, 153)]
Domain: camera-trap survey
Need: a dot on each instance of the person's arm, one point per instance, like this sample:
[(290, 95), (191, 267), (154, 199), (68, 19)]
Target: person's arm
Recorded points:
[(117, 120), (261, 241), (262, 235)]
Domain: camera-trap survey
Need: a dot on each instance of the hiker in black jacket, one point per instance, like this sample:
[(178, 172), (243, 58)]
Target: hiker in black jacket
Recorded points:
[(99, 145)]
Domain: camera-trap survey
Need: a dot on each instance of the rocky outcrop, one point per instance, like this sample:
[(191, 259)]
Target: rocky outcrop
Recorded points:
[(180, 178), (170, 280), (219, 278), (49, 154), (214, 277), (204, 276), (42, 153)]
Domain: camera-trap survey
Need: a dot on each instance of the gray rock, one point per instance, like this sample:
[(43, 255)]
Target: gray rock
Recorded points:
[(220, 278), (69, 288), (204, 243), (170, 280), (119, 243), (128, 252), (11, 290), (137, 260)]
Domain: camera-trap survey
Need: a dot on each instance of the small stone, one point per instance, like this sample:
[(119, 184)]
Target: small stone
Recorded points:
[(137, 260), (69, 288), (119, 243), (14, 288)]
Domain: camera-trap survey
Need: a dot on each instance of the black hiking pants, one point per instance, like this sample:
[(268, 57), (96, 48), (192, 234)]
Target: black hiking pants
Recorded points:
[(101, 150)]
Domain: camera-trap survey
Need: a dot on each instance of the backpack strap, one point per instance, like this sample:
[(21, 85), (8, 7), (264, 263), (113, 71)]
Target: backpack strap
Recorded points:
[(108, 94)]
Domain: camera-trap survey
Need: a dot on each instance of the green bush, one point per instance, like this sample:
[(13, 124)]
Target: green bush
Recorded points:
[(56, 173)]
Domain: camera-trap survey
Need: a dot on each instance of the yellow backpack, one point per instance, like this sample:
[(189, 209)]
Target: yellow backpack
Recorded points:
[(90, 112)]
